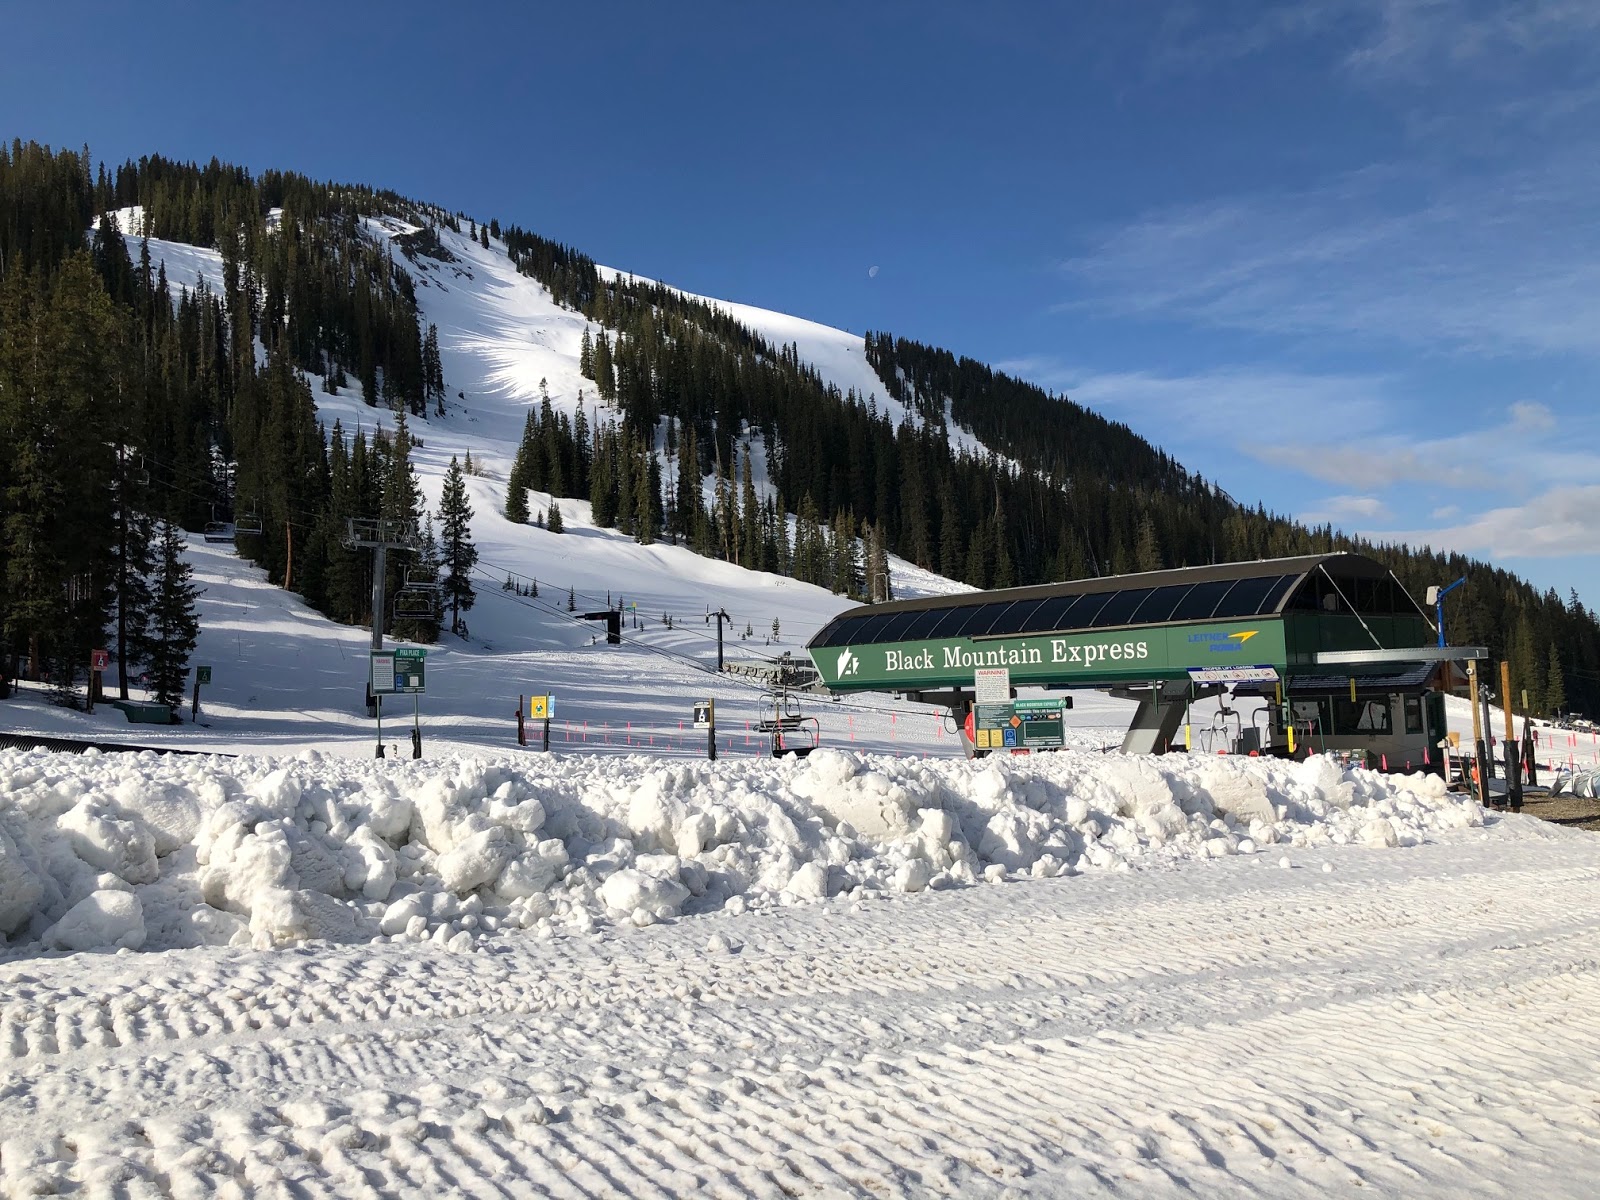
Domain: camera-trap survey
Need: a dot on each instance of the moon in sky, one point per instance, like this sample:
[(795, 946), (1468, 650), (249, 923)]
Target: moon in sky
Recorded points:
[(872, 271)]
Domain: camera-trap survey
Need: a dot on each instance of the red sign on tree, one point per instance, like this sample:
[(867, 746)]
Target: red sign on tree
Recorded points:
[(99, 660)]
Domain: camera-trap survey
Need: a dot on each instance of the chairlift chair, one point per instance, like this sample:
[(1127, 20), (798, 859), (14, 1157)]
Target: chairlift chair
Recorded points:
[(799, 738), (422, 579), (217, 531), (249, 522), (410, 604)]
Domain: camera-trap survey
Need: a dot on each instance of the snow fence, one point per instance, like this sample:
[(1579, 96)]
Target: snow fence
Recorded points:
[(104, 851)]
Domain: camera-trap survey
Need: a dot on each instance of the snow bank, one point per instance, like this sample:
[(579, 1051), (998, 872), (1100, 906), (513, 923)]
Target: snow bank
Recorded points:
[(140, 851)]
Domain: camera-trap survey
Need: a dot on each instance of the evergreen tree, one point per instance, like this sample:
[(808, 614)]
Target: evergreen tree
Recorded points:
[(686, 504), (750, 539), (133, 563), (1004, 569), (1147, 553), (602, 481), (517, 482), (459, 555), (62, 370), (1555, 685), (878, 583), (647, 503), (554, 523), (174, 624)]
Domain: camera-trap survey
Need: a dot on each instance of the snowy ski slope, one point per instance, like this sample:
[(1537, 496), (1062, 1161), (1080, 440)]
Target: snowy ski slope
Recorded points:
[(285, 677)]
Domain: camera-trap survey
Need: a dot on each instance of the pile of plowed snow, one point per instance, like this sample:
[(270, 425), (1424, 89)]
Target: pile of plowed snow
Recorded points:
[(139, 851)]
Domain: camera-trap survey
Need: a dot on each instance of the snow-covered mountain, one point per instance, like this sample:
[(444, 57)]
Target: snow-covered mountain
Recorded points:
[(285, 676)]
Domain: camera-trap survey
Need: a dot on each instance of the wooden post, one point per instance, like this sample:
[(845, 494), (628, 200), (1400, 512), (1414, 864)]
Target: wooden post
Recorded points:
[(1513, 750), (1481, 786), (522, 732)]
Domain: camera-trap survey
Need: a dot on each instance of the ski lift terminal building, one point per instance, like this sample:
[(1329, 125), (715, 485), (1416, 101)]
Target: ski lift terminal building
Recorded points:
[(1345, 657)]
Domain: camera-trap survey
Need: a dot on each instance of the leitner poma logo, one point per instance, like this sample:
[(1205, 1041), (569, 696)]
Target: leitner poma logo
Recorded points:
[(1225, 643), (848, 663)]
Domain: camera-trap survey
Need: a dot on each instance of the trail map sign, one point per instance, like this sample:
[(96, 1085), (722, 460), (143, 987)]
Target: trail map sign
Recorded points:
[(397, 672)]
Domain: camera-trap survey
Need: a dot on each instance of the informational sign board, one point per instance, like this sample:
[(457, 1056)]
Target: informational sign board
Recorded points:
[(541, 708), (991, 685), (99, 660), (396, 672), (1020, 725), (1258, 674), (202, 674), (1040, 724), (702, 714)]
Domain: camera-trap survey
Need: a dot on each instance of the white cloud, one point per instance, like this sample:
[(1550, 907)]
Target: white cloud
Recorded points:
[(1527, 414), (1445, 513), (1560, 523), (1431, 36), (1347, 510), (1375, 40), (1508, 262), (1358, 431), (1366, 465), (1170, 409)]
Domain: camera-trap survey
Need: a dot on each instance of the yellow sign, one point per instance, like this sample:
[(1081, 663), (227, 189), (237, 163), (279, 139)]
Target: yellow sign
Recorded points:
[(539, 707)]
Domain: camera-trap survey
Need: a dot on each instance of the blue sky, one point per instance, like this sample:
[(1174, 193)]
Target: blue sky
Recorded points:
[(1342, 256)]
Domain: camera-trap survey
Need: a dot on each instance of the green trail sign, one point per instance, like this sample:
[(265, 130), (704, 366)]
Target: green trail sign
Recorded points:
[(398, 672), (202, 674)]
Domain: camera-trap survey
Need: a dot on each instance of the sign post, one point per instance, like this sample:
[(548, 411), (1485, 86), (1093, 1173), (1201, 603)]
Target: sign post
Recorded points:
[(542, 708), (1480, 778), (705, 717), (99, 660), (201, 675), (397, 672), (1513, 751)]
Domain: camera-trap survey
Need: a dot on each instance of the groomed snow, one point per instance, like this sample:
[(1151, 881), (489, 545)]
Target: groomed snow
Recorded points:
[(1116, 997)]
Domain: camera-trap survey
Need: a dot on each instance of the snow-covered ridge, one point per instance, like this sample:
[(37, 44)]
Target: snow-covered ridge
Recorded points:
[(839, 357), (110, 851)]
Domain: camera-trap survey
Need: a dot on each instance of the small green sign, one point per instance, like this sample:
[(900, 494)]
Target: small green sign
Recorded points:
[(202, 674)]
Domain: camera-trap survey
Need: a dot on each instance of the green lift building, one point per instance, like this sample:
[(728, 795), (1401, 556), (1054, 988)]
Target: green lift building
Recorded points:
[(1346, 659)]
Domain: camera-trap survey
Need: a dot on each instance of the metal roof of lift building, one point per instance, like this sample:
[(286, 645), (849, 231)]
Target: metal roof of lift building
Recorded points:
[(1348, 583)]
